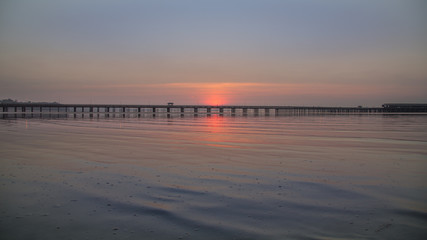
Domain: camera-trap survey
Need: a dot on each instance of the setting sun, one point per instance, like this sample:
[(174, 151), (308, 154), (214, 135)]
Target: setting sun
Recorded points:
[(215, 100)]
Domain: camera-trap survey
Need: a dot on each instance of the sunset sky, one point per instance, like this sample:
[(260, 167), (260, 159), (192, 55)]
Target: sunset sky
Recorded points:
[(264, 52)]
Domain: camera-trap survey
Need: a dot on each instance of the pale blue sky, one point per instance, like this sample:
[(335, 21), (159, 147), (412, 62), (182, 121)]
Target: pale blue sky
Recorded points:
[(306, 52)]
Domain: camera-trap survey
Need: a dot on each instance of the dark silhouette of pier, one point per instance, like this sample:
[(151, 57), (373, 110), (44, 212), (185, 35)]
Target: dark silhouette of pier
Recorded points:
[(123, 109)]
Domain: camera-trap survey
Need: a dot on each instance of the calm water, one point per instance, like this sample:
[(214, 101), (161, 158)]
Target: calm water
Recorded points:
[(291, 177)]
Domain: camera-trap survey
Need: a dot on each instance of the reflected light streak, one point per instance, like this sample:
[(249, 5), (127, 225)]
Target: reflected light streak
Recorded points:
[(215, 127), (215, 123)]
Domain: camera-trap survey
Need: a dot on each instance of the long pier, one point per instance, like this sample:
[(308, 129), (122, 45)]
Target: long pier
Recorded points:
[(56, 108)]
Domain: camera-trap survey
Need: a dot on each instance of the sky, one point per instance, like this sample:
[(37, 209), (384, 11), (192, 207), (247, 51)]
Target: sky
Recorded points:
[(219, 52)]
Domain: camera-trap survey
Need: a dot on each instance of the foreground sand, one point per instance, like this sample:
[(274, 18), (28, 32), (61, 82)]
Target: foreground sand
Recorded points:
[(324, 177)]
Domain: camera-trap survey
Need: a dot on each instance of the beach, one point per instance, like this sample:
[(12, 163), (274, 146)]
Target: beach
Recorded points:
[(218, 177)]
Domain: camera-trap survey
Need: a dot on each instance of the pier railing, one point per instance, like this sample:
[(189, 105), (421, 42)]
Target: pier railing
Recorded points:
[(31, 109), (195, 109)]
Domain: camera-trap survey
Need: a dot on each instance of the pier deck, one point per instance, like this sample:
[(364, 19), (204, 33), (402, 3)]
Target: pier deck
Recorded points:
[(123, 110), (45, 108)]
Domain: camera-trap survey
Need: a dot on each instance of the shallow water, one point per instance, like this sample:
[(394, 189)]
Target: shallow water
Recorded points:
[(285, 177)]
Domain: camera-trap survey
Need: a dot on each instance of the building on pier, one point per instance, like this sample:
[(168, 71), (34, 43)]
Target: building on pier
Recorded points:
[(405, 107)]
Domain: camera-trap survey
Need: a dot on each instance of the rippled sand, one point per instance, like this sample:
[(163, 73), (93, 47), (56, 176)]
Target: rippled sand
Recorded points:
[(294, 177)]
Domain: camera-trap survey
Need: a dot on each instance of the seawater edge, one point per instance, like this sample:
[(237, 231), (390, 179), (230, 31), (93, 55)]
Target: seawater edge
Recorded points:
[(301, 177)]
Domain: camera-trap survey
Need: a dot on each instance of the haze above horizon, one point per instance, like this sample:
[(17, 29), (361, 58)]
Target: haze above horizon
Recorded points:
[(269, 52)]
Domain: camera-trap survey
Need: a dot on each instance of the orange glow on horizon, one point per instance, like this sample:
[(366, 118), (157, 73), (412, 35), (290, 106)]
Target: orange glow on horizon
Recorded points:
[(217, 94), (238, 93), (215, 100)]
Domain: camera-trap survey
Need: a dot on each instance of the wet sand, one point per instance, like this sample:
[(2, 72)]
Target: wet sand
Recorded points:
[(290, 177)]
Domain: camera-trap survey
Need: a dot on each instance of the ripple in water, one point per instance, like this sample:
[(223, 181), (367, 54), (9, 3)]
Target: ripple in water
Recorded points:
[(294, 177)]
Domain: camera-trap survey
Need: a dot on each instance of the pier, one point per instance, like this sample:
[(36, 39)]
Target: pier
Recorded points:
[(139, 110)]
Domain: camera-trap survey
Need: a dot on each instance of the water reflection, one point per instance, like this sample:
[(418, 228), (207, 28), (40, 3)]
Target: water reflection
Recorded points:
[(214, 177), (215, 123)]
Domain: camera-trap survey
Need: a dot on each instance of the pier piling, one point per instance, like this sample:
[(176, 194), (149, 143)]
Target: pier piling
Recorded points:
[(206, 109)]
